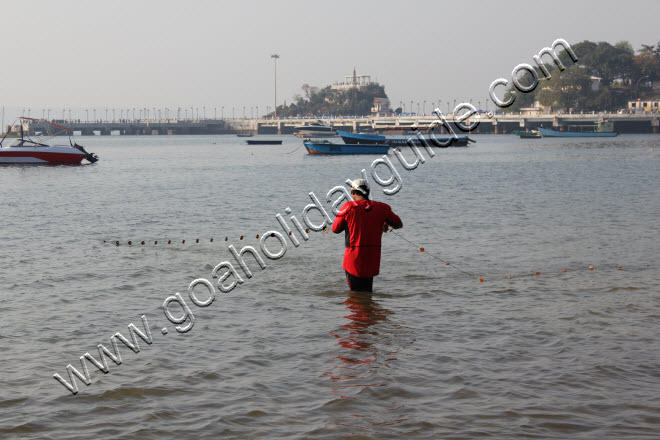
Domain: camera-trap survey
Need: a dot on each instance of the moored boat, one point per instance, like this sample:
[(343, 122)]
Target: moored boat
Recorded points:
[(601, 129), (264, 142), (531, 134), (370, 139), (27, 151), (326, 147), (319, 129)]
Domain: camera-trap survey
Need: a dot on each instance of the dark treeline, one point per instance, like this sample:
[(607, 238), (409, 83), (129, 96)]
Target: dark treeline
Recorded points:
[(624, 74)]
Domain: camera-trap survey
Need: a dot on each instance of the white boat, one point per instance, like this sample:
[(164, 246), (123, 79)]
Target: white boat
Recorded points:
[(28, 151), (318, 129)]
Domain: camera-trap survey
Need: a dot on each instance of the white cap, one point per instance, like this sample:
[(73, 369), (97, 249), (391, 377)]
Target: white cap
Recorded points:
[(361, 186)]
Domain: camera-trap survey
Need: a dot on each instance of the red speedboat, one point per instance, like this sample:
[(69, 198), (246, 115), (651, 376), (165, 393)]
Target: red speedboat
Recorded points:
[(27, 151)]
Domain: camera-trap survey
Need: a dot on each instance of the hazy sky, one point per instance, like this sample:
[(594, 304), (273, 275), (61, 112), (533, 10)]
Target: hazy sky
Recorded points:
[(126, 54)]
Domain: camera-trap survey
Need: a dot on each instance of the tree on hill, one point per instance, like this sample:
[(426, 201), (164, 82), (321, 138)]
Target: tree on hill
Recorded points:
[(619, 75)]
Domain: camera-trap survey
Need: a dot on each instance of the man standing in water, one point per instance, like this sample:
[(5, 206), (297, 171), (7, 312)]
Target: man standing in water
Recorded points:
[(364, 222)]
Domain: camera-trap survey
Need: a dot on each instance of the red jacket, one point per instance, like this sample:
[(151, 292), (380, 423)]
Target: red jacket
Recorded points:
[(362, 221)]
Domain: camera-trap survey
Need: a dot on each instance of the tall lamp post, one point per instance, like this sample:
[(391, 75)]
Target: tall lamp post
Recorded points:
[(275, 57)]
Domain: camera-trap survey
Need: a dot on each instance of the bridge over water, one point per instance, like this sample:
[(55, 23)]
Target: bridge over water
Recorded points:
[(502, 124)]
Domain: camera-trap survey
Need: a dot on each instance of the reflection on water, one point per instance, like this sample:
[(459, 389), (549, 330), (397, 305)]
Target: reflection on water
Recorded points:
[(364, 312), (367, 344)]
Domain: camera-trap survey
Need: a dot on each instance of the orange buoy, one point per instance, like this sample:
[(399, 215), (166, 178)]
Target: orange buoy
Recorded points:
[(307, 230), (257, 235), (421, 249), (620, 266), (241, 237), (169, 241), (481, 280), (563, 270), (509, 277), (446, 263), (591, 268), (183, 241), (538, 272)]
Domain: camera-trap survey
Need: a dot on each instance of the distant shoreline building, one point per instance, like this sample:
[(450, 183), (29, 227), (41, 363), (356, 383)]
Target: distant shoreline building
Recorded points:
[(645, 105), (354, 81)]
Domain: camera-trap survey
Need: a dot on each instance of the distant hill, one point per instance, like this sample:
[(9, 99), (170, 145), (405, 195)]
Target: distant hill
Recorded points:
[(329, 101), (605, 77)]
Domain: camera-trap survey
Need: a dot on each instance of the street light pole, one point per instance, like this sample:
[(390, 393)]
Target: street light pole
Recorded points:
[(275, 57)]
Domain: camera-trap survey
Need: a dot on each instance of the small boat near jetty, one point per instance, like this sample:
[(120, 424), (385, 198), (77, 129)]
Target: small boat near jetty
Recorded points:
[(370, 139), (601, 129), (318, 129), (264, 142), (327, 147), (24, 150), (528, 134)]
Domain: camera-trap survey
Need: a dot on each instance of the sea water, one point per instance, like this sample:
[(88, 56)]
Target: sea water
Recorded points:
[(291, 353)]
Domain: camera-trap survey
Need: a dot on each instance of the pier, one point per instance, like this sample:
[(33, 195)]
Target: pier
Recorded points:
[(497, 124)]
